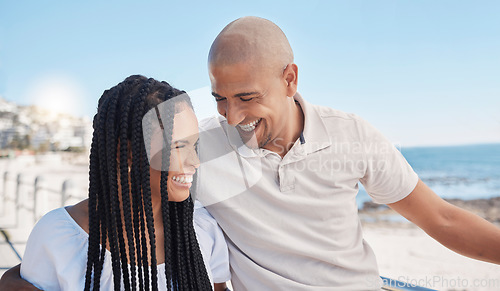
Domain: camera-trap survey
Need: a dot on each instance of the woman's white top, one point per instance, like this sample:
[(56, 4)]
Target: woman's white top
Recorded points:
[(56, 253)]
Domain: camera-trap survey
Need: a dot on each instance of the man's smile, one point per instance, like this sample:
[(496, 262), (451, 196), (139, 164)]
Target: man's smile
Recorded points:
[(250, 126)]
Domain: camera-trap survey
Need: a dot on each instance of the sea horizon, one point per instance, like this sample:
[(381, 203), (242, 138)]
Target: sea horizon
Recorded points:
[(467, 172)]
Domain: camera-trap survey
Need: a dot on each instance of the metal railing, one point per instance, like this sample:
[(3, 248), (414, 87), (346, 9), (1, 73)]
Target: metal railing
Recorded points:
[(40, 192), (24, 201)]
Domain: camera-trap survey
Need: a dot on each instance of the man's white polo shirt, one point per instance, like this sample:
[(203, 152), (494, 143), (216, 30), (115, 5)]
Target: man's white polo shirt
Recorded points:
[(292, 223)]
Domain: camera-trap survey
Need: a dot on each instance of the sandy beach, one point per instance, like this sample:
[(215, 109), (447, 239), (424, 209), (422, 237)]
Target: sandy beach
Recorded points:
[(404, 252)]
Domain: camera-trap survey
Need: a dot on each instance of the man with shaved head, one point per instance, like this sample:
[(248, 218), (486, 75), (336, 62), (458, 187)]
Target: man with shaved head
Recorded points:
[(252, 60), (295, 226)]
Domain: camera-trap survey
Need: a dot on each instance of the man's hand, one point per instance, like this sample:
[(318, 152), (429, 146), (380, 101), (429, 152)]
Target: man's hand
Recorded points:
[(11, 280), (457, 229)]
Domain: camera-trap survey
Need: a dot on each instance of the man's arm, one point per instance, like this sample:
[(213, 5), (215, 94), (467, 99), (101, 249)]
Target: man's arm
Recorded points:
[(457, 229), (11, 280)]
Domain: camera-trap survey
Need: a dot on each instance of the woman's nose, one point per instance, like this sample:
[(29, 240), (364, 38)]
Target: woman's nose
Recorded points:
[(193, 159)]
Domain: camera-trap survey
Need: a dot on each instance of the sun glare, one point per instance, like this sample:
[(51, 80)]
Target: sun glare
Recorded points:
[(58, 94)]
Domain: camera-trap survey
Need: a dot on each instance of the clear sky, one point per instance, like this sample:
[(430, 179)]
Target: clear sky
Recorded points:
[(423, 72)]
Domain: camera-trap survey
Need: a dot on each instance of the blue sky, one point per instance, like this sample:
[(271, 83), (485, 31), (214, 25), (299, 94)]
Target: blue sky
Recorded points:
[(423, 72)]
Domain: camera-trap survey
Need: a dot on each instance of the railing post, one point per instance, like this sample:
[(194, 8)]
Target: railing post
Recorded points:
[(18, 194), (67, 187), (4, 191), (39, 199)]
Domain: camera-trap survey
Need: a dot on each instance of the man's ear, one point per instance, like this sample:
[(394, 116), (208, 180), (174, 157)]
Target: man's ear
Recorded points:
[(291, 77)]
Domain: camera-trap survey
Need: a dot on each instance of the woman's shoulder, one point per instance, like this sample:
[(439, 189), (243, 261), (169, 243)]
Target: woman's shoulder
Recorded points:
[(212, 244), (207, 229), (80, 214), (56, 251), (203, 218), (61, 222)]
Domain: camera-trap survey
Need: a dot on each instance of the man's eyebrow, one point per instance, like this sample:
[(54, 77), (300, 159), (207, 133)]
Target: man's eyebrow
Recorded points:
[(236, 95), (216, 95), (245, 94)]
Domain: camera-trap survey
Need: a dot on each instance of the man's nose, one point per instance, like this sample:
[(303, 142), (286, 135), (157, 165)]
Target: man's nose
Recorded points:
[(233, 113)]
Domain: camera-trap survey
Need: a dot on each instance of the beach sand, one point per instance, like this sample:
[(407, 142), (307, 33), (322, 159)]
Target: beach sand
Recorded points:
[(408, 254)]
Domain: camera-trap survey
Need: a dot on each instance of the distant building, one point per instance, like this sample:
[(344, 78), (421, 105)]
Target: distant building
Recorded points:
[(41, 129)]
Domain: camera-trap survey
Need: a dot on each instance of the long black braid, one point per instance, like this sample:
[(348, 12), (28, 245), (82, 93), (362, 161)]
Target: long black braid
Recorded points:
[(94, 187), (146, 202), (121, 213), (137, 146), (116, 241), (124, 170)]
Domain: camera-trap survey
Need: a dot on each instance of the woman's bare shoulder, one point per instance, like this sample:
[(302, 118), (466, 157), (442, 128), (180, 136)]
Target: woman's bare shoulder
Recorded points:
[(80, 214)]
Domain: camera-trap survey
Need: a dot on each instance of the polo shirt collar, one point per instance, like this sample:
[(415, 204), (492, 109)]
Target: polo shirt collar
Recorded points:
[(315, 133)]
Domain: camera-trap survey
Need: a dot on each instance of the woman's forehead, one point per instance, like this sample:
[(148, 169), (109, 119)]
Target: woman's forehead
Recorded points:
[(185, 124)]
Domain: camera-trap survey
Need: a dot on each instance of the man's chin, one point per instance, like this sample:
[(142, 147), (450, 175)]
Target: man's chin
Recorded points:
[(249, 138)]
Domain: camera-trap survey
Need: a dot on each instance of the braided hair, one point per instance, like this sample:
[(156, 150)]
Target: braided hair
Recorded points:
[(123, 218)]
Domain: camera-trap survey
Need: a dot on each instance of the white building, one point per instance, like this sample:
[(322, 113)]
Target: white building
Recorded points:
[(42, 127)]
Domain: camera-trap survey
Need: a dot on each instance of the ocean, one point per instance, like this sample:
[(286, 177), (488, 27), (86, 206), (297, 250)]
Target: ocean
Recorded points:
[(463, 172)]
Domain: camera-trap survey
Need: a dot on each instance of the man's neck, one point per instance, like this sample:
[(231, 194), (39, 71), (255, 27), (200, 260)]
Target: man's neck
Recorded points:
[(291, 133)]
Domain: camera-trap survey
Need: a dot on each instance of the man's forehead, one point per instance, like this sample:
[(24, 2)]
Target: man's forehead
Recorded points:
[(236, 90), (238, 78), (234, 70)]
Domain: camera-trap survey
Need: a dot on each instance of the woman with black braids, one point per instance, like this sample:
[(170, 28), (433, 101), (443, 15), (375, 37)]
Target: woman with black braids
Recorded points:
[(139, 212)]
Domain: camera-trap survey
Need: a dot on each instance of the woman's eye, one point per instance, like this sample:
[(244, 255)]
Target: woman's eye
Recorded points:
[(179, 146)]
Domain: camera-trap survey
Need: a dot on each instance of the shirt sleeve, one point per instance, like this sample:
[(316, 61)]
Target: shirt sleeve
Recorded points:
[(388, 177), (56, 253), (213, 244)]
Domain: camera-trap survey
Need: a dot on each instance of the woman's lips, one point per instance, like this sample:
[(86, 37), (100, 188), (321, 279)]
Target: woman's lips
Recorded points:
[(184, 181)]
